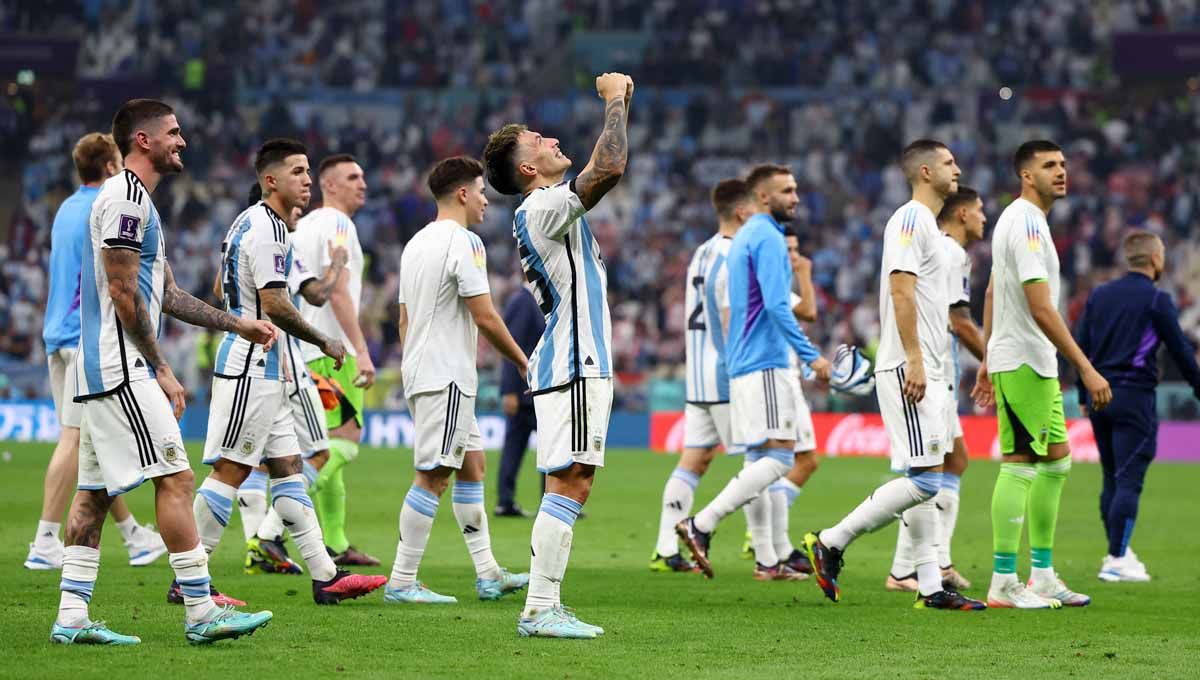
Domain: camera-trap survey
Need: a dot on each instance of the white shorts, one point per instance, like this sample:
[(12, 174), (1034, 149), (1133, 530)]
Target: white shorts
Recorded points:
[(764, 405), (62, 387), (705, 426), (445, 428), (128, 437), (573, 424), (956, 431), (249, 420), (806, 434), (308, 418), (919, 433)]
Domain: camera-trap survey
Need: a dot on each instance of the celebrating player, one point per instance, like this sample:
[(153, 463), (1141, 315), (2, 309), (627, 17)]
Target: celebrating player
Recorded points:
[(706, 415), (571, 371), (961, 221), (344, 191), (96, 159), (1022, 328), (911, 383), (445, 301), (251, 417), (129, 429), (763, 392)]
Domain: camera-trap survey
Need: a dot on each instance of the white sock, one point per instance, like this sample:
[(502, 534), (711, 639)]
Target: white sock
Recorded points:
[(213, 507), (764, 469), (252, 502), (923, 527), (79, 567), (191, 572), (678, 496), (271, 528), (902, 561), (783, 493), (881, 508), (295, 508), (1040, 574), (47, 533), (128, 526), (947, 505), (551, 548), (758, 523), (472, 521), (416, 521)]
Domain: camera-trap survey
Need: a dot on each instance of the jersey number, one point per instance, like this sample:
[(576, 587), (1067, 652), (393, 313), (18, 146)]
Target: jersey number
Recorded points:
[(696, 319)]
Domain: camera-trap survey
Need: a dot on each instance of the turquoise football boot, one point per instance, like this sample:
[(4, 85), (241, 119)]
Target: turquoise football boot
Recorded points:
[(95, 633), (554, 622), (417, 593), (494, 589), (228, 624)]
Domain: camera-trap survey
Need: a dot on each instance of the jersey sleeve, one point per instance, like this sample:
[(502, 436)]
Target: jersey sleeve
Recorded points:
[(1028, 247), (268, 260), (308, 243), (902, 250), (122, 224), (554, 210), (960, 282), (468, 265), (299, 274)]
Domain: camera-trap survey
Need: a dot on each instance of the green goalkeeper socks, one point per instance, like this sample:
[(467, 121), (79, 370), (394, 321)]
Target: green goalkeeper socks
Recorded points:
[(1044, 496), (1009, 499), (330, 494)]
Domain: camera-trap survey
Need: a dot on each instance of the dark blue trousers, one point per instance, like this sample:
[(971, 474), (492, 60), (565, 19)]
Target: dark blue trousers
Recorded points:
[(1127, 437), (518, 429)]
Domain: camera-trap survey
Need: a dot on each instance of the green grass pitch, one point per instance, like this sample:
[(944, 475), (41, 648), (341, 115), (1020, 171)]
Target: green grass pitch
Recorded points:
[(659, 625)]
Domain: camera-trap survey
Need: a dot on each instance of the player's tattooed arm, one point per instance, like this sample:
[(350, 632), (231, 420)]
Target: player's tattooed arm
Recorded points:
[(121, 266), (607, 164), (277, 306), (317, 291), (182, 305)]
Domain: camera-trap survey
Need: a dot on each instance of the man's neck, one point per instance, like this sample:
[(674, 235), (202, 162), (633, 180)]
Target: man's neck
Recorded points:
[(140, 165), (338, 206), (928, 197), (275, 202), (544, 181), (452, 213), (1147, 272), (727, 229), (956, 231), (93, 185), (1030, 194)]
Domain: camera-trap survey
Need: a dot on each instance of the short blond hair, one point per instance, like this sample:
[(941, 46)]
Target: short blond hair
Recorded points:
[(93, 152), (1139, 246)]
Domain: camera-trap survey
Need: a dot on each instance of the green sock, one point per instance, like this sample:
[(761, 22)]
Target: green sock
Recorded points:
[(1008, 513), (1044, 497), (330, 494)]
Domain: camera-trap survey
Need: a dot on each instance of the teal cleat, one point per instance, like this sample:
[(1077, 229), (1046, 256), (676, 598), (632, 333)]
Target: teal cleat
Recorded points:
[(228, 624), (417, 593), (95, 633), (494, 589), (555, 622), (571, 615)]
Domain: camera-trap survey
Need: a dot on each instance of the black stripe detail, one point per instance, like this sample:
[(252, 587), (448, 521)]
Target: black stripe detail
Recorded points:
[(904, 406), (583, 431), (454, 417), (275, 284), (310, 416), (123, 243), (237, 412), (133, 429), (141, 420), (774, 398), (575, 415), (576, 367), (446, 424)]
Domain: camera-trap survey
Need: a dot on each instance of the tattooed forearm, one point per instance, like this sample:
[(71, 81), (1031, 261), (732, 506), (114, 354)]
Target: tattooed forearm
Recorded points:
[(317, 291), (183, 306), (121, 265), (283, 313), (608, 158)]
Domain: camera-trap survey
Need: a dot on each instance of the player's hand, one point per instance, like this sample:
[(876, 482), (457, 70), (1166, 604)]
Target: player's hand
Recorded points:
[(1098, 388), (613, 85), (914, 381), (822, 368), (983, 393), (1083, 411), (523, 370), (509, 403), (628, 91), (366, 370), (338, 255), (171, 387), (334, 350), (803, 266), (260, 332)]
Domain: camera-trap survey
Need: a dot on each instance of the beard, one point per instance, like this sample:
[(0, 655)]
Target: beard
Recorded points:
[(165, 163), (781, 213)]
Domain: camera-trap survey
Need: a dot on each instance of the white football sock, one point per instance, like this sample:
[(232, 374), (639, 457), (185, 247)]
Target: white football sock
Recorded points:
[(473, 522), (128, 526), (271, 527), (47, 533), (416, 521), (551, 548), (902, 561), (758, 523), (296, 510), (213, 507), (923, 527), (764, 468), (191, 572), (782, 493), (79, 567), (678, 496), (252, 502), (879, 509), (947, 505)]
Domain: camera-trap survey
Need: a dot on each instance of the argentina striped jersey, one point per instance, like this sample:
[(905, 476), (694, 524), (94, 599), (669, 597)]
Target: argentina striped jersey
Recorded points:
[(298, 275), (707, 378), (123, 216), (561, 261)]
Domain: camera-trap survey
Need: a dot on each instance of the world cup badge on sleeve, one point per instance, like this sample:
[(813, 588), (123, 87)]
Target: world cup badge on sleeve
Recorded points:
[(127, 227)]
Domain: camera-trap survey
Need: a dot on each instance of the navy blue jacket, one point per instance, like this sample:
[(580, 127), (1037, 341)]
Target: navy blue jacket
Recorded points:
[(1121, 329), (526, 323)]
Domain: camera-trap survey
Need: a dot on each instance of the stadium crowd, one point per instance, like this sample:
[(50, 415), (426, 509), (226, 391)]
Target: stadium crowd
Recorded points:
[(401, 86)]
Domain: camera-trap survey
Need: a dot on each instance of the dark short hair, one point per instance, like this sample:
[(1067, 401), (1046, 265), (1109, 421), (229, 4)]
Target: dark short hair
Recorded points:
[(964, 196), (761, 173), (499, 159), (451, 173), (254, 195), (788, 231), (912, 154), (92, 154), (334, 160), (132, 115), (275, 150), (1137, 248), (1028, 150), (727, 194)]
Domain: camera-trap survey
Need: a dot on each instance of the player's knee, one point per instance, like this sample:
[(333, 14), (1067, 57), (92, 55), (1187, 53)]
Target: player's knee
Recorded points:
[(285, 467), (927, 482)]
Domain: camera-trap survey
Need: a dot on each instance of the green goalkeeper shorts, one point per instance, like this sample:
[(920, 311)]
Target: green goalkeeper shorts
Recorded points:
[(350, 402), (1030, 411)]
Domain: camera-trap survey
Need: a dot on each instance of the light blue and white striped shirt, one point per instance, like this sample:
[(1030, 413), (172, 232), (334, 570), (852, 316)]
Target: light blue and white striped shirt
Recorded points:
[(707, 377)]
